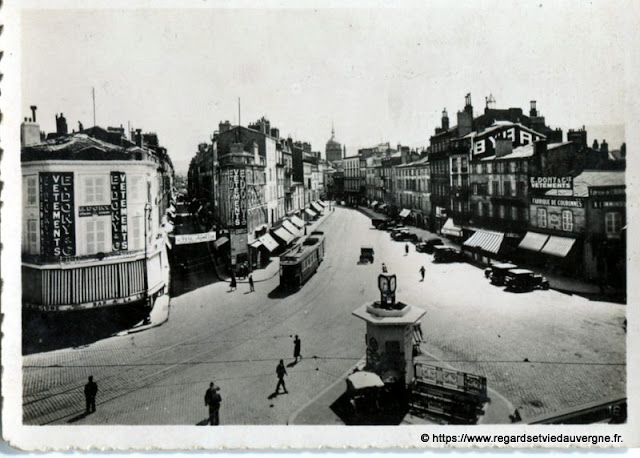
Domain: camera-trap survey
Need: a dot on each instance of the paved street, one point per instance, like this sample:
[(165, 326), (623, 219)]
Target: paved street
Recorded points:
[(543, 350)]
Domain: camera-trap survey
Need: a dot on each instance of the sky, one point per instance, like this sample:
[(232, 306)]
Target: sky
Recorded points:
[(376, 75)]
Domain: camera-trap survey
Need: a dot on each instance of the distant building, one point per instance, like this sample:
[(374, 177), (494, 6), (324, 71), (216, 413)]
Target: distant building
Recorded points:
[(333, 149)]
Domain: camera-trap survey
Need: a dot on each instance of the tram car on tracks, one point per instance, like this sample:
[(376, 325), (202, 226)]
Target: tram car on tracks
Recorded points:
[(301, 262)]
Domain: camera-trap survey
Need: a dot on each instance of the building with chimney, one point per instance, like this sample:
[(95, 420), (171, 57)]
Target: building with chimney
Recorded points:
[(96, 219)]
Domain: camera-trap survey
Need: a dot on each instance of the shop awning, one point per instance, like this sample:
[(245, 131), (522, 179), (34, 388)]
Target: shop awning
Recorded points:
[(533, 241), (374, 203), (382, 206), (558, 246), (404, 213), (284, 234), (297, 221), (310, 212), (269, 242), (221, 241), (290, 227), (322, 204), (486, 241), (256, 244), (317, 207), (451, 229)]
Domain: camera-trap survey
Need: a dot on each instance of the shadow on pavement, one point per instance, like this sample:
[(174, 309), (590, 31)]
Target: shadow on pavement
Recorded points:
[(79, 417), (204, 422), (186, 282), (53, 331), (279, 293)]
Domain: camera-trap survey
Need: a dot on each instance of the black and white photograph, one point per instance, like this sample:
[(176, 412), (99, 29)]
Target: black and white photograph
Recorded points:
[(225, 221)]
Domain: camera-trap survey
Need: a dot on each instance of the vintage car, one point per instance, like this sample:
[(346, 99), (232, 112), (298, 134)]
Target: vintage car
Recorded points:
[(496, 273), (525, 280), (394, 230), (446, 254), (366, 254), (427, 246), (364, 390), (380, 223), (405, 235)]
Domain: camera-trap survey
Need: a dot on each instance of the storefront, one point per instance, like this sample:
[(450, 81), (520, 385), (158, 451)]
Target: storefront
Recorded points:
[(485, 246)]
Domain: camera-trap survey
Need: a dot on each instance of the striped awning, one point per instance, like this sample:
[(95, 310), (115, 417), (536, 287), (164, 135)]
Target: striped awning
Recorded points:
[(288, 225), (451, 229), (269, 242), (297, 221), (284, 234), (486, 241), (316, 207), (533, 241), (221, 241), (404, 213), (558, 246), (310, 212)]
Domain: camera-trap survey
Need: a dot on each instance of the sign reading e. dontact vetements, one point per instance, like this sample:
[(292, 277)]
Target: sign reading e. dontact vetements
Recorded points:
[(119, 232), (57, 222), (551, 182)]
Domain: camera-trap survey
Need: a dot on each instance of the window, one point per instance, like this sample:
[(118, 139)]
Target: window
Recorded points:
[(479, 208), (495, 188), (502, 211), (567, 220), (137, 227), (95, 236), (542, 217), (520, 188), (479, 168), (490, 210), (489, 167), (613, 223), (507, 188), (32, 198), (475, 189), (136, 190), (94, 190), (514, 213), (32, 236)]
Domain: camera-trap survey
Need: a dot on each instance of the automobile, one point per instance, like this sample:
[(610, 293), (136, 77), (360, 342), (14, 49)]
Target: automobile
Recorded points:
[(525, 280), (497, 272), (405, 235), (446, 254), (366, 254), (317, 232), (427, 246), (379, 223), (395, 226)]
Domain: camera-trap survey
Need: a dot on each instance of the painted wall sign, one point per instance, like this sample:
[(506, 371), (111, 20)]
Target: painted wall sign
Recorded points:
[(557, 202), (119, 230), (606, 191), (57, 221), (516, 134), (237, 198), (186, 239), (551, 182), (609, 204), (94, 210)]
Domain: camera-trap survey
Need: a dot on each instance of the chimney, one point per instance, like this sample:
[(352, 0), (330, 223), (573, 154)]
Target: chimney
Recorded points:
[(467, 104), (445, 120), (533, 112), (540, 147), (139, 137), (595, 144), (61, 125), (224, 126), (503, 147), (604, 147), (33, 112)]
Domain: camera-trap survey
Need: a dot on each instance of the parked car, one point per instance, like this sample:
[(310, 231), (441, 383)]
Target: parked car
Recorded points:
[(446, 254), (525, 280), (405, 236), (395, 226), (427, 246), (497, 272), (366, 254), (379, 223), (389, 223), (397, 229)]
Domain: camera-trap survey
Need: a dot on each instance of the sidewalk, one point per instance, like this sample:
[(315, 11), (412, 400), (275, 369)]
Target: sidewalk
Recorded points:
[(557, 282)]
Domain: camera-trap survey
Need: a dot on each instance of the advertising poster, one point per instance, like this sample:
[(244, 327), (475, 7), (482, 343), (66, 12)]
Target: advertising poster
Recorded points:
[(57, 223)]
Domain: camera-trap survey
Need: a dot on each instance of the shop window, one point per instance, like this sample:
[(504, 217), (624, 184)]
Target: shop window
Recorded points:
[(542, 217), (567, 220), (613, 223)]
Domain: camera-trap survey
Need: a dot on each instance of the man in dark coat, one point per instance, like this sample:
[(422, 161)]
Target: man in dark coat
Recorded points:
[(212, 399), (90, 392), (296, 349), (281, 372), (251, 288), (233, 284)]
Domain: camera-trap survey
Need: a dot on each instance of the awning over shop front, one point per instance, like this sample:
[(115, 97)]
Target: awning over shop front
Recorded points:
[(322, 204), (316, 207), (268, 242), (486, 241), (256, 244), (404, 213), (290, 227), (221, 241), (533, 241), (374, 203), (558, 246), (382, 206), (451, 229), (284, 234), (310, 212), (297, 221)]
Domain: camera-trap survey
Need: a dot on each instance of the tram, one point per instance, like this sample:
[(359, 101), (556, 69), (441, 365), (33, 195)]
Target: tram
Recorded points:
[(299, 263)]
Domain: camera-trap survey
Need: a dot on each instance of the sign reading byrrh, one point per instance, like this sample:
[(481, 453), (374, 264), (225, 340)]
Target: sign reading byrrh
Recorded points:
[(551, 182), (119, 231), (57, 222)]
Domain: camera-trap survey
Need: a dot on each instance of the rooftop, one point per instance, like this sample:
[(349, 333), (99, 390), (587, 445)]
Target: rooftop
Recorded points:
[(592, 178)]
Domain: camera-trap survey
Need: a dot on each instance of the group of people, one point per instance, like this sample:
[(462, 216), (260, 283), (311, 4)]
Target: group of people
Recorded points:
[(233, 283)]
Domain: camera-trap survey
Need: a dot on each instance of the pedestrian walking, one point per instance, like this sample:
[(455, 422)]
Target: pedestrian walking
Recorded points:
[(281, 372), (422, 271), (251, 288), (233, 284), (406, 249), (90, 392), (212, 399), (296, 349), (384, 268)]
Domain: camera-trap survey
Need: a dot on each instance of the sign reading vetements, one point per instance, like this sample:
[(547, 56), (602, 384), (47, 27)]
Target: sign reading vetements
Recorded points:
[(119, 233), (57, 222), (551, 182), (237, 198)]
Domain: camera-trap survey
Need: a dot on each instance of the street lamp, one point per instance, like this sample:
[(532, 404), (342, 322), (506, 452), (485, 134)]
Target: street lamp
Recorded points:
[(387, 285)]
